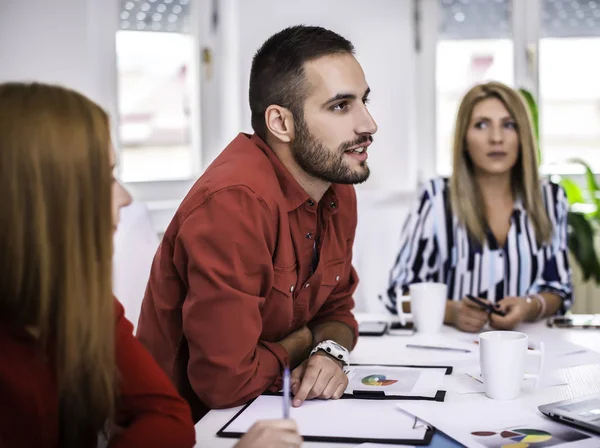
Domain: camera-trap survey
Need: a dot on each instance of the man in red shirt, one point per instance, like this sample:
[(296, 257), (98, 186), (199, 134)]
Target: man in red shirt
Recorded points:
[(254, 272)]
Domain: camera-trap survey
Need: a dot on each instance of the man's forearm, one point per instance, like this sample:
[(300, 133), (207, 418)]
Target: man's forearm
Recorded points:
[(298, 345), (336, 331)]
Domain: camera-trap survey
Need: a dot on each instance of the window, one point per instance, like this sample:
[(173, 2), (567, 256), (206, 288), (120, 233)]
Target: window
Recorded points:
[(474, 45), (546, 46), (156, 92), (569, 82)]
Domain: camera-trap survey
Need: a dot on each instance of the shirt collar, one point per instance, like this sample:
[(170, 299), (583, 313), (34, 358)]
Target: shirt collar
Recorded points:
[(293, 192), (518, 206)]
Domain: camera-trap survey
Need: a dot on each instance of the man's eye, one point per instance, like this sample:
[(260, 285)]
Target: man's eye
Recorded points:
[(340, 106)]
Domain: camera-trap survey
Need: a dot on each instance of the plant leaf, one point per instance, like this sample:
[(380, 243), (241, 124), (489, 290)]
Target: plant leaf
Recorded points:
[(591, 184), (574, 193), (581, 244), (533, 110)]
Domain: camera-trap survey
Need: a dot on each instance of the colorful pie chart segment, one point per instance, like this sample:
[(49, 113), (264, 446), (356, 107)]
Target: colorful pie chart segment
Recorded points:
[(377, 380)]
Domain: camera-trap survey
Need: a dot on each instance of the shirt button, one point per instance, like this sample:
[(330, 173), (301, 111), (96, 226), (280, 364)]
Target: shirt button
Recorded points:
[(292, 288), (337, 278), (311, 202), (307, 285), (332, 204), (309, 236)]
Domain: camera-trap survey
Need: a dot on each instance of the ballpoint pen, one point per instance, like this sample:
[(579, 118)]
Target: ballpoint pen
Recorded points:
[(286, 393), (435, 347)]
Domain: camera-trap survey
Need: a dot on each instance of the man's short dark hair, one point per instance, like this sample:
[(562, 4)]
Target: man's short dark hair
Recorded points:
[(277, 73)]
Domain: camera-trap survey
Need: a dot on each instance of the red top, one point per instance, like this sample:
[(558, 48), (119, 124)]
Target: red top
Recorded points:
[(154, 413), (232, 276)]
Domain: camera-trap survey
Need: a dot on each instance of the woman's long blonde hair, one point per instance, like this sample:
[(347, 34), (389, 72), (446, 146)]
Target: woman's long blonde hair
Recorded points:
[(56, 244), (466, 200)]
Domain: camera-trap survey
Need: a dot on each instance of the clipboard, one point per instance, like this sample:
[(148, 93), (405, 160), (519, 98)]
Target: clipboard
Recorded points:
[(439, 396), (358, 421)]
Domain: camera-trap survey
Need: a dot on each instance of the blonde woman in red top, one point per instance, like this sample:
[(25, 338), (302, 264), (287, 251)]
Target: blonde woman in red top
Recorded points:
[(70, 368)]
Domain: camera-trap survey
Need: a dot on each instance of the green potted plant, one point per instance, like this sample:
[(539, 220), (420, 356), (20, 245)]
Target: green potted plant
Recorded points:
[(584, 207)]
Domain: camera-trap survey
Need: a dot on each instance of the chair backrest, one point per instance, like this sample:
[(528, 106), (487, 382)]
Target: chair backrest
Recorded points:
[(380, 219), (135, 244)]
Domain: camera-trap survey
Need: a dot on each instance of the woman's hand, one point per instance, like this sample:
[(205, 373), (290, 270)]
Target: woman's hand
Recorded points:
[(516, 309), (468, 316), (271, 434)]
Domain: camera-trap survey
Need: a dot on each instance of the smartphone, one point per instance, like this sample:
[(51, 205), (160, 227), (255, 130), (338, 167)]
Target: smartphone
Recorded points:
[(399, 326), (372, 328), (397, 329), (575, 321)]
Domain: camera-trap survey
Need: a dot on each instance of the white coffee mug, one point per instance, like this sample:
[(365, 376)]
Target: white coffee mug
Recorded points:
[(427, 305), (502, 360)]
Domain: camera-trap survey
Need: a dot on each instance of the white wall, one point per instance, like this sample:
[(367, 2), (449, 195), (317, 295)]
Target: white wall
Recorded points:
[(381, 31), (68, 42)]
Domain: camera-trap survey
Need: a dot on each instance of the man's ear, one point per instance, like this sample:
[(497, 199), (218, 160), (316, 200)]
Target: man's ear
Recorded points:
[(280, 122)]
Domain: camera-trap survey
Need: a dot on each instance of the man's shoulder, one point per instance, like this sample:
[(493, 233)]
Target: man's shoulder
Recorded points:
[(241, 166)]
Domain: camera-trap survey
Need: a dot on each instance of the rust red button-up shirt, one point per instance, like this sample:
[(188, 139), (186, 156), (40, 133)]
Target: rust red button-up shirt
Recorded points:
[(233, 275), (149, 410)]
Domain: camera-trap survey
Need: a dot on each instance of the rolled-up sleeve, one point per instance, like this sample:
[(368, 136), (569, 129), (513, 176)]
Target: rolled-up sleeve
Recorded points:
[(226, 245), (556, 274)]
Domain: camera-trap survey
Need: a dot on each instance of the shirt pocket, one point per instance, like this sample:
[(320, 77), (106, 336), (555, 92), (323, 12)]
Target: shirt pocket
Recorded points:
[(284, 280), (333, 273), (278, 310)]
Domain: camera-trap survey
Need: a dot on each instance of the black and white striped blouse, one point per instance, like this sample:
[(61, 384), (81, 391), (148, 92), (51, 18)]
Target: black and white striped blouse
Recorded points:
[(435, 247)]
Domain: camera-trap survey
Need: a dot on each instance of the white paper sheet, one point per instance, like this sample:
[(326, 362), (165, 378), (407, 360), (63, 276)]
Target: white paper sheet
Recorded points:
[(360, 419), (562, 354), (497, 424), (472, 382), (395, 380), (559, 353)]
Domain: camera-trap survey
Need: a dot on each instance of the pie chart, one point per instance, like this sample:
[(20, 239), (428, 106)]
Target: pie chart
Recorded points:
[(519, 437), (377, 380), (527, 435)]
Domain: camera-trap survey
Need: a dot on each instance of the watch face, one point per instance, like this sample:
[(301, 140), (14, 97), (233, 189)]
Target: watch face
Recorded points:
[(335, 344)]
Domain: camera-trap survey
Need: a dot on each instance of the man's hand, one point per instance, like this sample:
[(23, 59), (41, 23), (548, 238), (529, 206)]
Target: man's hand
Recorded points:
[(516, 309), (320, 376), (468, 316), (271, 434)]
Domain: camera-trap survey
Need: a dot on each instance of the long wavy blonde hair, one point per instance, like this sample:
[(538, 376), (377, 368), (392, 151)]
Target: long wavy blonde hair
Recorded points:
[(465, 197), (56, 245)]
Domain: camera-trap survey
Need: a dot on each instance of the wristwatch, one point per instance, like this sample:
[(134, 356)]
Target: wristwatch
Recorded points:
[(334, 350)]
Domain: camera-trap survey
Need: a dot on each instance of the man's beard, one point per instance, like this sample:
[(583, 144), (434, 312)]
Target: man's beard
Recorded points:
[(318, 161)]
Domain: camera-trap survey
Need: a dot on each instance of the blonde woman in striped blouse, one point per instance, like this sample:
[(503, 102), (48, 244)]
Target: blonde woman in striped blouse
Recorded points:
[(494, 230)]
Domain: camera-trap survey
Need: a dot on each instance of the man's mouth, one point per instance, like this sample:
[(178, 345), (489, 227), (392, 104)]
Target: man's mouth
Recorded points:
[(358, 150)]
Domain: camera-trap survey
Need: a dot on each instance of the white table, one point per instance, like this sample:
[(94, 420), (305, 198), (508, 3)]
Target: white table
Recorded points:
[(584, 379)]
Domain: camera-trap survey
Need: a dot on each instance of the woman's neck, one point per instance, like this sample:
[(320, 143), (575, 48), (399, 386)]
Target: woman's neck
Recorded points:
[(495, 189)]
